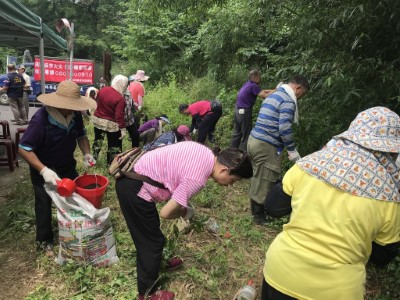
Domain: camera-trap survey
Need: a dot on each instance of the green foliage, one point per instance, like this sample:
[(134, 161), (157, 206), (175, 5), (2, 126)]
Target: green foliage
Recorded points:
[(19, 215), (203, 88), (197, 50), (90, 18)]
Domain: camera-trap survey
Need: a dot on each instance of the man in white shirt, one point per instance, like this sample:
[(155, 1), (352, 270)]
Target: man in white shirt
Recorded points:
[(27, 90)]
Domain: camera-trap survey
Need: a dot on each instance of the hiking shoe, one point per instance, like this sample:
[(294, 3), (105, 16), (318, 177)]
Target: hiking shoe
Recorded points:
[(259, 220), (159, 295), (173, 264)]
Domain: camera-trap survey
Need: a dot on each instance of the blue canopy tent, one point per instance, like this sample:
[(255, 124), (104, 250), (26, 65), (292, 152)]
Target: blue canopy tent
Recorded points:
[(21, 28)]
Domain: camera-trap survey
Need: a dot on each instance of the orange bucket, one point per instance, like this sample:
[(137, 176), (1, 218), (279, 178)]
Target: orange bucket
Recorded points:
[(92, 187)]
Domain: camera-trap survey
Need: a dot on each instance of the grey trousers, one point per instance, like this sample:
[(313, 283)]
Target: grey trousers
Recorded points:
[(18, 108), (242, 124)]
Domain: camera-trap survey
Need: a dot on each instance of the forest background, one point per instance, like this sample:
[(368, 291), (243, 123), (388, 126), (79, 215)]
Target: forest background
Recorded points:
[(192, 50)]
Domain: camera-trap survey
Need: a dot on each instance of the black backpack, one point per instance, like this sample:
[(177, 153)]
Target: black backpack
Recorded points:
[(216, 105)]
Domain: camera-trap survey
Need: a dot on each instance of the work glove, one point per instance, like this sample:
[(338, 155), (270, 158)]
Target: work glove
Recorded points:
[(49, 176), (189, 212), (123, 133), (89, 160), (139, 108), (294, 155), (194, 131)]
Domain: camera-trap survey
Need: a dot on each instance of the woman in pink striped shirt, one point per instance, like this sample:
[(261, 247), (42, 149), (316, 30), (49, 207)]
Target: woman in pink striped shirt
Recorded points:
[(183, 169)]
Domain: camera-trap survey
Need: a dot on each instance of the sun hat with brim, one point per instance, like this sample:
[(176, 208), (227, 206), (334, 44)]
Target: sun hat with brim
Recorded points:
[(140, 76), (67, 96), (377, 128), (166, 120)]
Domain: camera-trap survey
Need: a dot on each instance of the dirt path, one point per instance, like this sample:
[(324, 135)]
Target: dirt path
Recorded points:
[(17, 257)]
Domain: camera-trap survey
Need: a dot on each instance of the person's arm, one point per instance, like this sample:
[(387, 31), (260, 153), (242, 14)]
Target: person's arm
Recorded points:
[(172, 210), (193, 126), (88, 159), (84, 145), (197, 119), (140, 101), (31, 158), (286, 116), (277, 203), (120, 112), (265, 93)]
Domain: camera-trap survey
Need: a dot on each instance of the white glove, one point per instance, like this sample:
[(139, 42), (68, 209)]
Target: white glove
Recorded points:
[(189, 213), (194, 131), (139, 108), (89, 160), (49, 176), (294, 155), (123, 133)]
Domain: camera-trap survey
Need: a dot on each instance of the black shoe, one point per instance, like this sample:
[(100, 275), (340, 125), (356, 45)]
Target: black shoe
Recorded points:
[(258, 212), (259, 220)]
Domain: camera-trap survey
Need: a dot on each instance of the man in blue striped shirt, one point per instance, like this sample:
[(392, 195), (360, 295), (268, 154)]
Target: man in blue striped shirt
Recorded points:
[(271, 133)]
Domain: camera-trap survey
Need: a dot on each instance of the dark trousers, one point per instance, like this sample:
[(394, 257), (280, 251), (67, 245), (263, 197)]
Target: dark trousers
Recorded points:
[(269, 293), (113, 141), (143, 222), (206, 127), (44, 232), (242, 125), (134, 134)]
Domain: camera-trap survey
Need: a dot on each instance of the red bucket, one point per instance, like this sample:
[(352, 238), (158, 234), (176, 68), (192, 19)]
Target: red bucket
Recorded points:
[(92, 187)]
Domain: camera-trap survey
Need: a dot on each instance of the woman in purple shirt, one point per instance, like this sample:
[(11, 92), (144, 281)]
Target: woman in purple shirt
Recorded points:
[(150, 130)]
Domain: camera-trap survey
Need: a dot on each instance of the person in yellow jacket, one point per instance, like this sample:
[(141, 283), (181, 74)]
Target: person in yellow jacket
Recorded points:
[(345, 211)]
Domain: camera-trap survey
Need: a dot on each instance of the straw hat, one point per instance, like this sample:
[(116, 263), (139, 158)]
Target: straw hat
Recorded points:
[(67, 96)]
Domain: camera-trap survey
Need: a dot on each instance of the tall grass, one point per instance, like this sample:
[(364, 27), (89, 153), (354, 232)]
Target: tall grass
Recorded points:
[(215, 265)]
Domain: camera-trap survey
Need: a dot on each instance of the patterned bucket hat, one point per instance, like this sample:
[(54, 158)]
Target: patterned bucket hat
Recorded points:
[(377, 128)]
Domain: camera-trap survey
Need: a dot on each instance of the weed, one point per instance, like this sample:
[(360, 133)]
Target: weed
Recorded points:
[(40, 293), (215, 265)]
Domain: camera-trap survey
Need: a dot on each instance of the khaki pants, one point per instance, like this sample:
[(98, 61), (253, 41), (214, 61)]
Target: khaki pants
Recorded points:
[(149, 135), (18, 108), (266, 168), (26, 104)]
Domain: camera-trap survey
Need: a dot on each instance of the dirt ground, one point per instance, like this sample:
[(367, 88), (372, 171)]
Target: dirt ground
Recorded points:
[(17, 261)]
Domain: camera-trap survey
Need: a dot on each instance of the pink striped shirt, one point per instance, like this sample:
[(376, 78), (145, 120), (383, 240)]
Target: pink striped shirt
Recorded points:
[(183, 168)]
